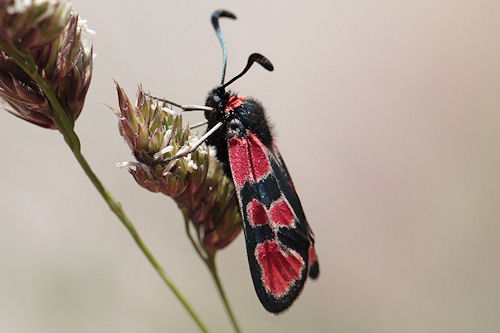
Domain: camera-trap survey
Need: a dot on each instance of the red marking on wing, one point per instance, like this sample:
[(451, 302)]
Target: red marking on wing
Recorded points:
[(280, 269), (260, 163), (281, 214), (248, 159), (240, 162), (257, 214), (234, 102)]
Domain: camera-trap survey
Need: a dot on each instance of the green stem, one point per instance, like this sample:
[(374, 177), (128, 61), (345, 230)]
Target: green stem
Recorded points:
[(209, 259), (203, 257), (213, 270), (66, 128)]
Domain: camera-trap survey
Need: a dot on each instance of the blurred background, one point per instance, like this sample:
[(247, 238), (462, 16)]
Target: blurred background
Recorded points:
[(387, 115)]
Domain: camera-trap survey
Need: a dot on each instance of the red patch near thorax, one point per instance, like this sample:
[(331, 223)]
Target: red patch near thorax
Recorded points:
[(234, 102), (239, 160), (280, 269), (248, 159)]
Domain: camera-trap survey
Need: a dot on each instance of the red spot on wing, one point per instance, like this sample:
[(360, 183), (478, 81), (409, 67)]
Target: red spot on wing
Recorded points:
[(257, 214), (234, 102), (239, 160), (280, 269), (248, 159), (281, 214), (259, 160)]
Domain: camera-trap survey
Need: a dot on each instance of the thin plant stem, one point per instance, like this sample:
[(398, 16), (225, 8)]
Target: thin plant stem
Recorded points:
[(65, 127), (209, 259), (213, 270), (203, 257)]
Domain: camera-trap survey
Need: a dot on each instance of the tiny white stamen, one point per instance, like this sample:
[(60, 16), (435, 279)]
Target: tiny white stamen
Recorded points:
[(172, 163), (193, 140), (168, 167), (190, 164), (21, 5), (166, 137), (137, 165), (125, 164), (82, 24), (162, 152), (170, 111)]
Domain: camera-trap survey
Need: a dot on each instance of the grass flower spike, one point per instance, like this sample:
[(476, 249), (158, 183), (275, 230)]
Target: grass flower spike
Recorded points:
[(45, 72), (31, 24), (47, 39), (196, 182)]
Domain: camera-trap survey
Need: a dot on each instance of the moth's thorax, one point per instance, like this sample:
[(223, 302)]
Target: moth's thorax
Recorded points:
[(227, 109)]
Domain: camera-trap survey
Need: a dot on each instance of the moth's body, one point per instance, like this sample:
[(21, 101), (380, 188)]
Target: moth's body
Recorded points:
[(279, 241)]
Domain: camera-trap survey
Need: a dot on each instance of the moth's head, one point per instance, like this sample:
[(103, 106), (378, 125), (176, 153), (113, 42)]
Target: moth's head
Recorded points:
[(217, 98)]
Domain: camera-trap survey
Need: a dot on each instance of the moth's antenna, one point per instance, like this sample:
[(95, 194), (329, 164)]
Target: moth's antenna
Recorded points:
[(215, 22), (254, 57), (183, 107)]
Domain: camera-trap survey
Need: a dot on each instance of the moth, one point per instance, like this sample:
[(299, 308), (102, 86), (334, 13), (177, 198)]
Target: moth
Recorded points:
[(279, 241)]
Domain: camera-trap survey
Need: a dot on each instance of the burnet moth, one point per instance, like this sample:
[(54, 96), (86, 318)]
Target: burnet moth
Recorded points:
[(279, 241)]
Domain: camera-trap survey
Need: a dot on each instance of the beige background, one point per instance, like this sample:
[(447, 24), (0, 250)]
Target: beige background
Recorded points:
[(387, 113)]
